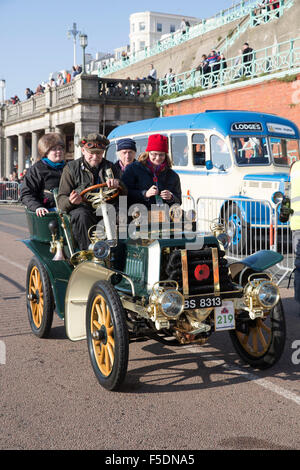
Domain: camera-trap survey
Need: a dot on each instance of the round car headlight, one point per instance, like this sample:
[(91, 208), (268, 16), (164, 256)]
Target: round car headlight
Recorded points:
[(172, 303), (101, 250), (277, 197), (224, 239), (268, 294)]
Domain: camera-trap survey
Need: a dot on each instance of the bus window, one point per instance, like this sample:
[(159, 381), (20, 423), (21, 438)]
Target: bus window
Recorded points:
[(198, 146), (141, 144), (179, 149), (284, 151), (251, 150), (220, 154), (111, 154)]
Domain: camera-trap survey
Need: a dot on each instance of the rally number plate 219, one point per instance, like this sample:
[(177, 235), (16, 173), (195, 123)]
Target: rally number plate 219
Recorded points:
[(202, 302)]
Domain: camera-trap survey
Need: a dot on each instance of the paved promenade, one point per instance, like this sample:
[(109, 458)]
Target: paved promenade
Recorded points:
[(186, 398)]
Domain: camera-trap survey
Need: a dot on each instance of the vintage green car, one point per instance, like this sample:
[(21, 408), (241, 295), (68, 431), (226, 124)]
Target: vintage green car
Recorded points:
[(177, 290)]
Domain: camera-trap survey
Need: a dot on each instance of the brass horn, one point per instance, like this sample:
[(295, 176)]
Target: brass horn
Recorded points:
[(56, 246), (59, 255)]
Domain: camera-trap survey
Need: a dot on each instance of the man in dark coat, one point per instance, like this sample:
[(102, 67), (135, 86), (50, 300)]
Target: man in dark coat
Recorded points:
[(79, 174), (247, 59), (44, 176), (126, 152)]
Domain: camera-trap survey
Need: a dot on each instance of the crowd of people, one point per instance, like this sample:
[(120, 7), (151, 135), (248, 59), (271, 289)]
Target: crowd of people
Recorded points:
[(62, 78), (145, 179)]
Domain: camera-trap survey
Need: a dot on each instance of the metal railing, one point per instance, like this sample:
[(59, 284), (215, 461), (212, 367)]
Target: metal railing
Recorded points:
[(138, 90), (252, 224), (278, 57), (9, 191), (224, 17)]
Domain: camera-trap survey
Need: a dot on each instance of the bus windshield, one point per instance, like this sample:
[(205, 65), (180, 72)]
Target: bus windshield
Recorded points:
[(284, 151), (250, 150)]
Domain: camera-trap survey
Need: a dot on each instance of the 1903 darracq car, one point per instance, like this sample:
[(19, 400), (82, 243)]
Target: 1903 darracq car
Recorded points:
[(173, 290)]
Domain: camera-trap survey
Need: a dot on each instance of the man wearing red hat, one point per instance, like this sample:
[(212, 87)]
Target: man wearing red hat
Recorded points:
[(150, 180)]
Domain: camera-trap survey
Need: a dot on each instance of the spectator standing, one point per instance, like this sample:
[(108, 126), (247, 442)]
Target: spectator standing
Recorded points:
[(74, 72), (170, 77), (39, 90), (204, 69), (184, 25), (152, 74), (214, 64), (247, 57), (28, 93), (60, 80)]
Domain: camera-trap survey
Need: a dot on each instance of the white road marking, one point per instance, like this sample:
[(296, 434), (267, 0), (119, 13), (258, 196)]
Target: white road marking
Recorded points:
[(17, 265), (252, 377)]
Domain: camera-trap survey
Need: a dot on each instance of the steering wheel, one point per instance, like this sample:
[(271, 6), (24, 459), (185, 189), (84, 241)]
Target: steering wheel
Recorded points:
[(97, 198)]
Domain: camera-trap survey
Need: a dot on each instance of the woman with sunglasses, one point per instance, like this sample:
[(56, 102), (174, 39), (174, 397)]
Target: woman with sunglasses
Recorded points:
[(44, 176), (150, 180)]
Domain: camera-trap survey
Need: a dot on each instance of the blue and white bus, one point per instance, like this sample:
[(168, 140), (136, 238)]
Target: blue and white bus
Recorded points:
[(238, 155)]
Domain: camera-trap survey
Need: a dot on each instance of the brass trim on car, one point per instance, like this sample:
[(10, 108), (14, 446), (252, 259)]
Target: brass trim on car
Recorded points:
[(216, 275), (185, 273)]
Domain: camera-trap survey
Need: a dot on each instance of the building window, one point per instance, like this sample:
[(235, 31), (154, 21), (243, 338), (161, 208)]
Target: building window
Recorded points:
[(142, 45), (142, 26), (172, 28), (132, 27), (159, 27)]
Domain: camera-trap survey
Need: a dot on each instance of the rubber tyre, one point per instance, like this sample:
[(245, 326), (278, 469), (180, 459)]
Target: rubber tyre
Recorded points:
[(264, 345), (234, 222), (109, 354), (40, 309)]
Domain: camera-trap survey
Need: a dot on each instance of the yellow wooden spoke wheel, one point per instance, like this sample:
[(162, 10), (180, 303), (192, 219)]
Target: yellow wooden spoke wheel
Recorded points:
[(107, 335), (40, 304), (103, 335), (260, 342), (258, 338)]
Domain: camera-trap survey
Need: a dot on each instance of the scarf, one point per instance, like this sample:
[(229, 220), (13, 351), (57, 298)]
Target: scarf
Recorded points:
[(155, 169), (55, 165)]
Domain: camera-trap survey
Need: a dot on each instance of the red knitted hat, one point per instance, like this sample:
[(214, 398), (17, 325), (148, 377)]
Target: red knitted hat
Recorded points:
[(157, 143)]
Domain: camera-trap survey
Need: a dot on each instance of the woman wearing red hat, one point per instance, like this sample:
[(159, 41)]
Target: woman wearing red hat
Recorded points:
[(150, 180)]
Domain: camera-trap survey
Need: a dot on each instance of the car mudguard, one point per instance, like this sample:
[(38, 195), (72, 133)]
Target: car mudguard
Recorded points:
[(257, 262), (59, 272)]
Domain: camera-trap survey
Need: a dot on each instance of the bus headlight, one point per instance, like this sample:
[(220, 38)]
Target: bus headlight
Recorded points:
[(171, 303)]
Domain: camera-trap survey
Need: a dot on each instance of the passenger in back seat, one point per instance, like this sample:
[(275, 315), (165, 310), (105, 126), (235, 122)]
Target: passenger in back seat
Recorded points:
[(44, 175)]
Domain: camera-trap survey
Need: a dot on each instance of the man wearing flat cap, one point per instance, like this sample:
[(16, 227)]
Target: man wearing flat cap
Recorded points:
[(90, 169), (126, 152)]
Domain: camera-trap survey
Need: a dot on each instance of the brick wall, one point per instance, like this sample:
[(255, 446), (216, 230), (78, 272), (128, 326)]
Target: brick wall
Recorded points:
[(274, 96)]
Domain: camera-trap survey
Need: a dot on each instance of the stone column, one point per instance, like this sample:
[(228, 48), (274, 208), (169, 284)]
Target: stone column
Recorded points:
[(9, 157), (34, 149), (82, 128), (21, 153)]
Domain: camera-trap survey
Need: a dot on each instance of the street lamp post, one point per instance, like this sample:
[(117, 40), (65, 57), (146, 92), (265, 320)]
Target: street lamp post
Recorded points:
[(73, 32), (2, 86), (83, 42)]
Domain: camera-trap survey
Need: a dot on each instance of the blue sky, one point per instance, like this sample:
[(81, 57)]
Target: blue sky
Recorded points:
[(33, 34)]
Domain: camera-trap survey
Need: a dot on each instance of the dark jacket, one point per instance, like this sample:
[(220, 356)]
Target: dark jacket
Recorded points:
[(118, 172), (78, 176), (36, 186), (247, 55), (138, 179)]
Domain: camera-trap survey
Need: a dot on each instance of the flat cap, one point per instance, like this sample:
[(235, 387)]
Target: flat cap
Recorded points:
[(100, 141)]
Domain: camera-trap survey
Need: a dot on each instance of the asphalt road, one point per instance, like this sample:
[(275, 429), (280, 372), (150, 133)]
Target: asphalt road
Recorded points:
[(190, 398)]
